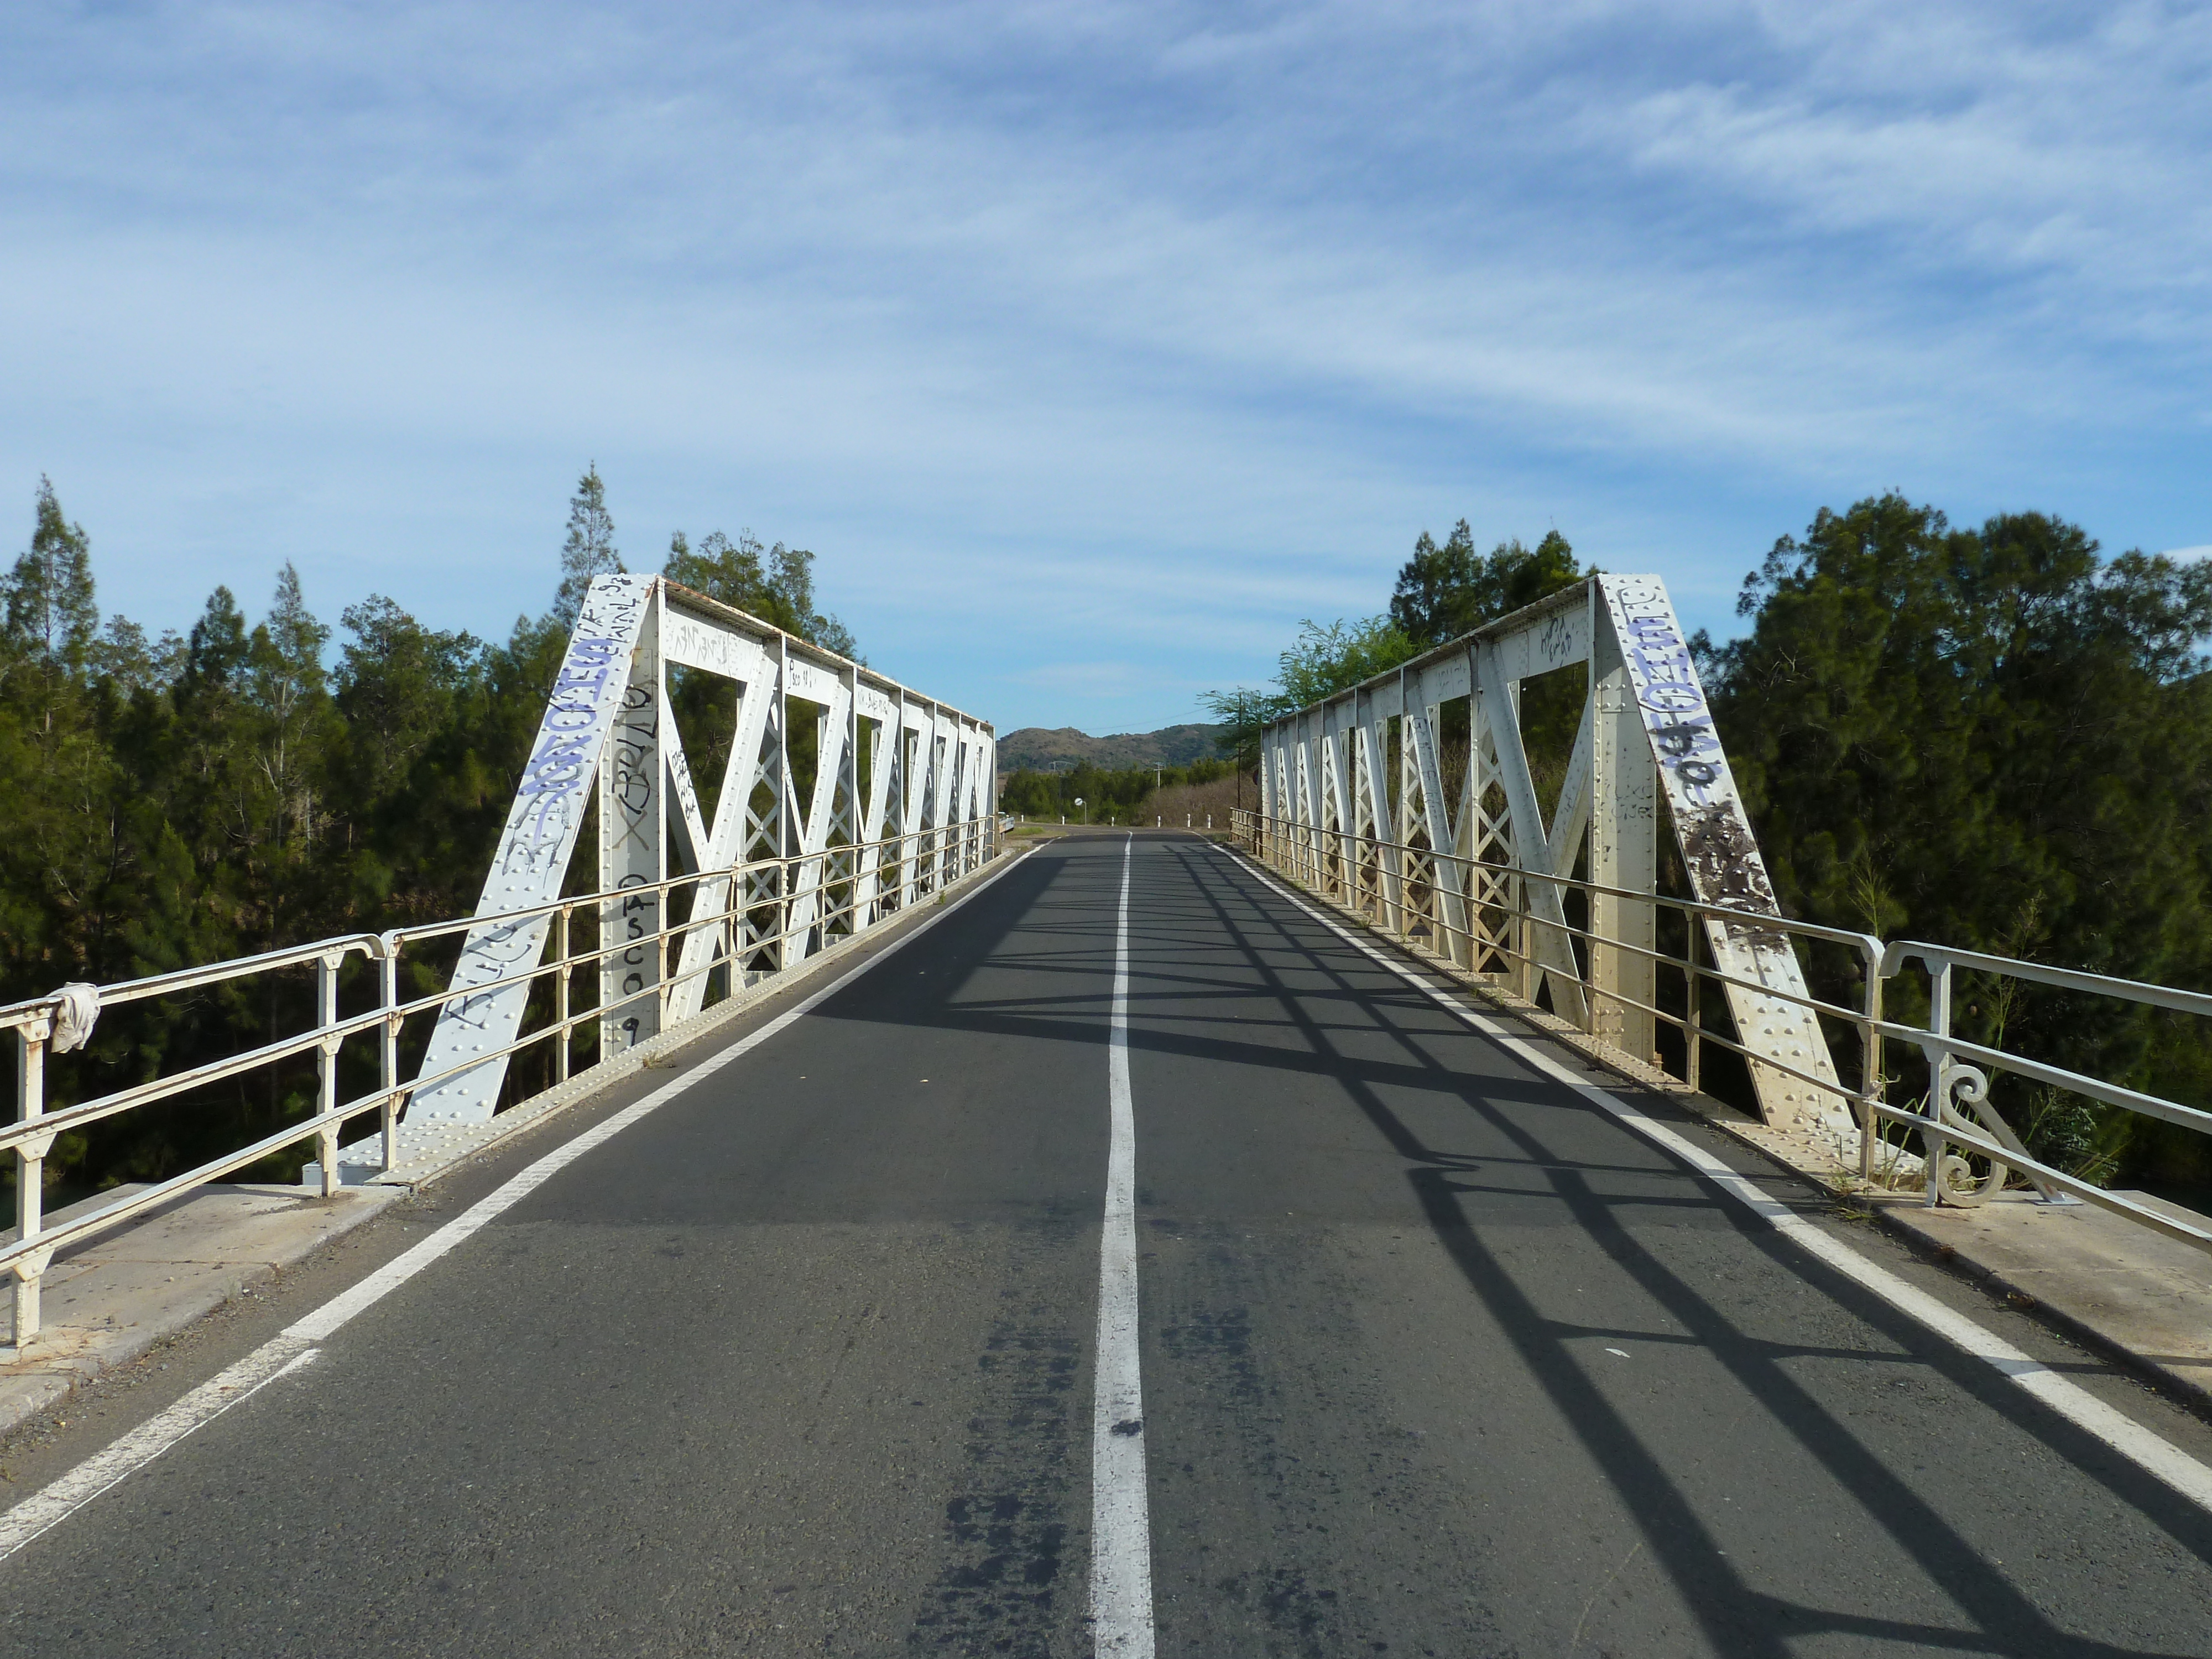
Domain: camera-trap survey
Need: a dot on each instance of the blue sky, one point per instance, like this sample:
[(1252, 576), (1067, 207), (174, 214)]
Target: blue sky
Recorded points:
[(1090, 346)]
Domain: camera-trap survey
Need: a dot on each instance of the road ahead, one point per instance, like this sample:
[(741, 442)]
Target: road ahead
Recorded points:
[(1437, 1357)]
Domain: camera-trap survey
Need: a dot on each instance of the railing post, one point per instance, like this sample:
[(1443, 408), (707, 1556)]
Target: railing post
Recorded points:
[(1939, 1080), (1694, 1013), (670, 932), (1871, 1083), (326, 1067), (783, 914), (388, 1047), (1526, 925), (30, 1172), (561, 977)]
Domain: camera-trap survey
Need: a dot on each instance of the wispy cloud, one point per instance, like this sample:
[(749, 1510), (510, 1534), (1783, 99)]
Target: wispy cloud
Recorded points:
[(1100, 334)]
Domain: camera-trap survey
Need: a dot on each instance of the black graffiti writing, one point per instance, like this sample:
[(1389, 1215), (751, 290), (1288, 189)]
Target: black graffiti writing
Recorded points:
[(1557, 641), (1682, 738)]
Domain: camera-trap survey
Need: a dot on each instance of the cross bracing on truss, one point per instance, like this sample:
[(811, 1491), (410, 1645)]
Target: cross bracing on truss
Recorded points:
[(788, 862), (1361, 789)]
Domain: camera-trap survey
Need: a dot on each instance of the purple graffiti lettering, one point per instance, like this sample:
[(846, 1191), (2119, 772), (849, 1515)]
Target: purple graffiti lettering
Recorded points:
[(559, 775), (1668, 670), (581, 690)]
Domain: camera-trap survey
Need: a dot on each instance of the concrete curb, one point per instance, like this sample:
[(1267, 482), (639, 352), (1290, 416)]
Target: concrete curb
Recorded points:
[(2078, 1305), (114, 1298)]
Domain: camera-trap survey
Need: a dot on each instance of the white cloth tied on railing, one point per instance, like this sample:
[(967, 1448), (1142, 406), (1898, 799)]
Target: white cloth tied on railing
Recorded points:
[(76, 1011)]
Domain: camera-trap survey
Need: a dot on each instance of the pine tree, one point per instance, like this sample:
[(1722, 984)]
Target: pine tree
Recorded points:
[(775, 584), (52, 619), (1430, 584), (722, 569), (290, 694), (397, 682), (590, 550)]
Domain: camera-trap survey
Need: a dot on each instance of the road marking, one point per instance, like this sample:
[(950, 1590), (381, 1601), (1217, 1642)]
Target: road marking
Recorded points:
[(293, 1347), (54, 1503), (1120, 1518), (2147, 1450)]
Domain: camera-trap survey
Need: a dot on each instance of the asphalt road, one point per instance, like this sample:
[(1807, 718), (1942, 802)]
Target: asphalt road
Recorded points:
[(1436, 1358)]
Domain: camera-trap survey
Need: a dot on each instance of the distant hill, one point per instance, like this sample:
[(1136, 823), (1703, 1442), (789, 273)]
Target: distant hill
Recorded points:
[(1037, 750)]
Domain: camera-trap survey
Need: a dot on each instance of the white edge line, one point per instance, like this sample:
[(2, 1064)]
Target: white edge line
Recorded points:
[(54, 1502), (1120, 1519), (2148, 1450), (294, 1348)]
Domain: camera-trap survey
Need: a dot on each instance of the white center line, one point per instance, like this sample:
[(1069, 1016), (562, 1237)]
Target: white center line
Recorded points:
[(1121, 1521)]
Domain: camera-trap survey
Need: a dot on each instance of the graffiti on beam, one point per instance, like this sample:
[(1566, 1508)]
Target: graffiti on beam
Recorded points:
[(550, 802), (1716, 838), (485, 1006)]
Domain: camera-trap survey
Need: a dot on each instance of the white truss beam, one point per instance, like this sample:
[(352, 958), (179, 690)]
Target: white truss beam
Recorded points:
[(1645, 738), (609, 727)]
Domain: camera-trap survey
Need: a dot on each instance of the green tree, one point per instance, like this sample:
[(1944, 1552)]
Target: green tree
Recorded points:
[(397, 684), (1988, 738), (590, 550), (1323, 661), (1320, 663), (775, 584), (1442, 592), (1445, 592), (60, 783), (290, 692), (1432, 584), (52, 619), (791, 579), (190, 799), (722, 569)]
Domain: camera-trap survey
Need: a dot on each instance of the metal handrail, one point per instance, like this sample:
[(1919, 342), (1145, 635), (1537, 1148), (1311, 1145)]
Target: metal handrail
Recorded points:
[(1943, 1045), (1954, 1063), (1939, 957), (908, 866), (1865, 1020), (15, 1014), (2043, 1174)]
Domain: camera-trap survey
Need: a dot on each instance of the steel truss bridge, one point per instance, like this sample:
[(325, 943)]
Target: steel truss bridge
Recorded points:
[(837, 1228)]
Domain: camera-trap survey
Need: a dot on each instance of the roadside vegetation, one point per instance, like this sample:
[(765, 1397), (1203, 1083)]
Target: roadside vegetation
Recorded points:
[(1130, 795), (212, 794)]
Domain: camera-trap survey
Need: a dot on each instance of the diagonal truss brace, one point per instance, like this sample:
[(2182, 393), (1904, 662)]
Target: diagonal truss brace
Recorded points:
[(609, 727), (1645, 739)]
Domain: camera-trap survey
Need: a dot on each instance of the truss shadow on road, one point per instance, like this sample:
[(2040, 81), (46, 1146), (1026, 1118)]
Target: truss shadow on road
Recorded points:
[(1284, 995)]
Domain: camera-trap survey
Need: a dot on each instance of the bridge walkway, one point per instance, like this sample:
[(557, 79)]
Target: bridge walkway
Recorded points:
[(1438, 1359)]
